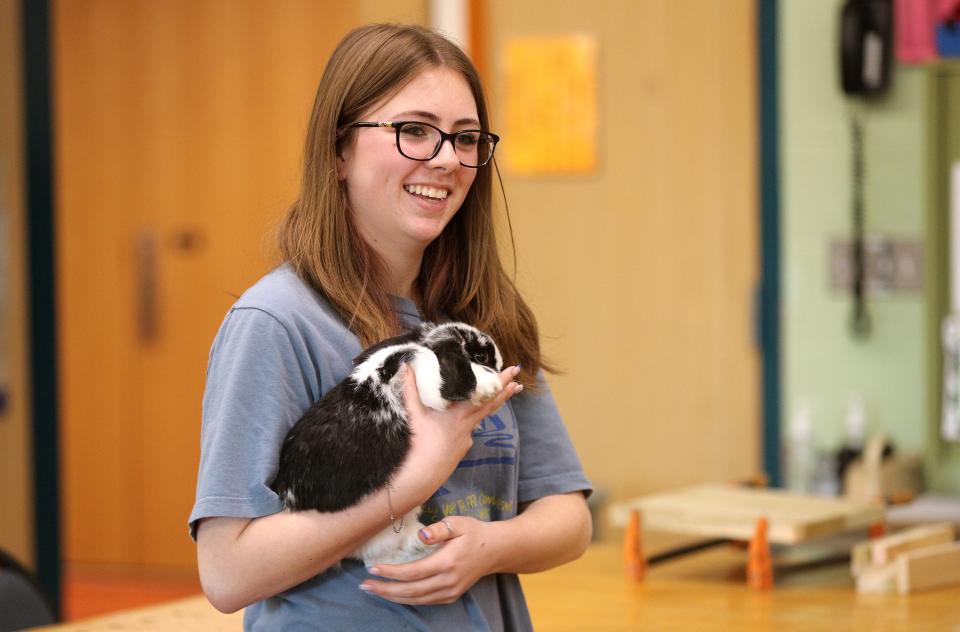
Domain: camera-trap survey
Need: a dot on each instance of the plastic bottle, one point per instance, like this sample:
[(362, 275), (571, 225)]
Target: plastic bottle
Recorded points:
[(855, 430), (800, 450), (855, 424)]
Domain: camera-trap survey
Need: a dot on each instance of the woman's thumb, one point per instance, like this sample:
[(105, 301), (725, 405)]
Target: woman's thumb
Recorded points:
[(411, 396)]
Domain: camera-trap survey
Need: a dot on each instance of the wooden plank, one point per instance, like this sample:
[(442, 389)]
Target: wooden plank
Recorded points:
[(888, 548), (929, 567), (877, 579), (718, 510), (861, 558)]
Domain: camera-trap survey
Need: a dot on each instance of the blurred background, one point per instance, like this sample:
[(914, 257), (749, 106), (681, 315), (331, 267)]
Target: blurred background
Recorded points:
[(741, 267)]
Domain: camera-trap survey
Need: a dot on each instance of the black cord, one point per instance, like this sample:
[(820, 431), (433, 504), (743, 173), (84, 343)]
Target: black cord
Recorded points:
[(859, 318)]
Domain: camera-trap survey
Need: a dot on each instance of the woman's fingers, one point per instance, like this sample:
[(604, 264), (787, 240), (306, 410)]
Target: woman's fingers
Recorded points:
[(411, 396), (510, 388), (430, 590), (442, 576), (469, 413), (508, 374), (506, 381), (437, 532)]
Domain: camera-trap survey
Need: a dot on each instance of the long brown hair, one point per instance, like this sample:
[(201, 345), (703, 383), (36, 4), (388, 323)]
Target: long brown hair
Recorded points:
[(461, 276)]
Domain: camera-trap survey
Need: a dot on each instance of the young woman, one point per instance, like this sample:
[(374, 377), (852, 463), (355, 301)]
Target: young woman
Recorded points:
[(393, 225)]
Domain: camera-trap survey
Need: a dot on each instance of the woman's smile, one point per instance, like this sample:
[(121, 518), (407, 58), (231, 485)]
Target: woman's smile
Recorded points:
[(426, 191)]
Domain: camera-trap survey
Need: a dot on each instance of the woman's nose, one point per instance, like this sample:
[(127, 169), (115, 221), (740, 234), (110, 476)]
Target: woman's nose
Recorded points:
[(447, 156)]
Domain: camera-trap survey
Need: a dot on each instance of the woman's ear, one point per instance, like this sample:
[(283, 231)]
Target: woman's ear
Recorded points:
[(341, 168)]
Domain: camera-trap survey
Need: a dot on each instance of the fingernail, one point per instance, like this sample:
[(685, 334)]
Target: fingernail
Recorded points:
[(424, 534), (364, 588), (516, 370), (373, 570), (519, 388)]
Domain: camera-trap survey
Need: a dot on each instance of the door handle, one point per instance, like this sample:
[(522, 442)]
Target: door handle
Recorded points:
[(147, 325), (186, 240)]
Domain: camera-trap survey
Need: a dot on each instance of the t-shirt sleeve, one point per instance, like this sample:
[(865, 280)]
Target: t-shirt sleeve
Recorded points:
[(548, 461), (260, 381)]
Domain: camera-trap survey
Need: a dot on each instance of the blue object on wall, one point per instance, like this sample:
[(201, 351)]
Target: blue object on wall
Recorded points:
[(769, 168), (948, 39)]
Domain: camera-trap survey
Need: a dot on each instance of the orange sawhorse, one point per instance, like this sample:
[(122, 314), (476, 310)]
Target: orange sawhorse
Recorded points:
[(759, 563)]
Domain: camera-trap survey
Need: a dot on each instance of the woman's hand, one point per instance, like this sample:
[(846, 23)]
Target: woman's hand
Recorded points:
[(444, 575), (549, 531), (441, 439)]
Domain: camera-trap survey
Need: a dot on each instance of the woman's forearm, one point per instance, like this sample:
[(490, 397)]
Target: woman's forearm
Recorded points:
[(244, 560), (550, 531)]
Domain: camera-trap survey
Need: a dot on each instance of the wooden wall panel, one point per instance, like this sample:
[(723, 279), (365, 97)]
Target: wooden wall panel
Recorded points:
[(642, 273)]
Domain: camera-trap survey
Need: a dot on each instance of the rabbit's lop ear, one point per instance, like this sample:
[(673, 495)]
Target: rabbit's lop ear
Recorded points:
[(412, 336), (458, 380)]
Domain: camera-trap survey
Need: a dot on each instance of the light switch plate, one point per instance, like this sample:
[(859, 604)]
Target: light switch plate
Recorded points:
[(891, 265)]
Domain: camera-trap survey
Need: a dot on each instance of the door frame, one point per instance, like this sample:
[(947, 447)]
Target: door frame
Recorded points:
[(768, 316), (942, 458), (42, 307)]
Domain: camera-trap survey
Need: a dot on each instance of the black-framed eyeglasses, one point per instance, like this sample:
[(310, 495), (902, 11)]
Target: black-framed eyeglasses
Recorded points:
[(422, 141)]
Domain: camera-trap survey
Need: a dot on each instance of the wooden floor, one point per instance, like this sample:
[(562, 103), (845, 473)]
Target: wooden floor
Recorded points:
[(702, 591), (707, 591), (92, 591)]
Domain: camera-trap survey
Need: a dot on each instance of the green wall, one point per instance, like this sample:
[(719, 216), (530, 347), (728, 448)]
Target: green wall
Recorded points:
[(823, 365)]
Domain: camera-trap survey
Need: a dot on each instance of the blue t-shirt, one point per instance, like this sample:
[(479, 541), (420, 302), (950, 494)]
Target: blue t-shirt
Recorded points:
[(279, 349)]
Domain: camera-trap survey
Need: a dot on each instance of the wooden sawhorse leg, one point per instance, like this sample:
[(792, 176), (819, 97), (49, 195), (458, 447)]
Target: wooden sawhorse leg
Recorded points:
[(759, 564), (633, 558)]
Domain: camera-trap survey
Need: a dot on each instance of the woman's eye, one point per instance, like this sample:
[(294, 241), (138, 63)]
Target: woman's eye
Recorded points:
[(413, 130), (467, 139)]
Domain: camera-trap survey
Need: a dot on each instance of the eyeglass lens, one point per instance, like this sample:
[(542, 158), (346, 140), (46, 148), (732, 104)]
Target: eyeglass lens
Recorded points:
[(421, 141)]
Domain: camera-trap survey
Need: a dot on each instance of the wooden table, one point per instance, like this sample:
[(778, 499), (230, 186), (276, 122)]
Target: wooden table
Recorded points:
[(701, 591), (717, 510)]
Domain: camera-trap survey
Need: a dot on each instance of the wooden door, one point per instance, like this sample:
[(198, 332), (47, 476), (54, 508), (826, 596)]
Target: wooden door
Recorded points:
[(16, 460), (178, 131)]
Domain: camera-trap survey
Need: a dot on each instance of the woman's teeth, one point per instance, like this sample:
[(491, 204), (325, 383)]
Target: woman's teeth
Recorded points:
[(430, 192)]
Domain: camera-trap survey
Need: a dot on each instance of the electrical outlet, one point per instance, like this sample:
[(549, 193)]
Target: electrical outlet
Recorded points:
[(909, 265), (889, 265)]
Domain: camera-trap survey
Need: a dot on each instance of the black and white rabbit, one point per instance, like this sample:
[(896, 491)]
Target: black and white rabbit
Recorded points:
[(352, 441)]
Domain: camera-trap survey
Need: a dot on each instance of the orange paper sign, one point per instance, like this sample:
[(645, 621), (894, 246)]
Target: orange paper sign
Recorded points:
[(551, 105)]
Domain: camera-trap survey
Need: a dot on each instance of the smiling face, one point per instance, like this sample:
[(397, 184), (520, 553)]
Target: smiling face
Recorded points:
[(398, 204)]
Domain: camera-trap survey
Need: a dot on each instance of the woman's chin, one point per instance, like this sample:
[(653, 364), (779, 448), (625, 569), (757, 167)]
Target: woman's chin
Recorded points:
[(424, 233)]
